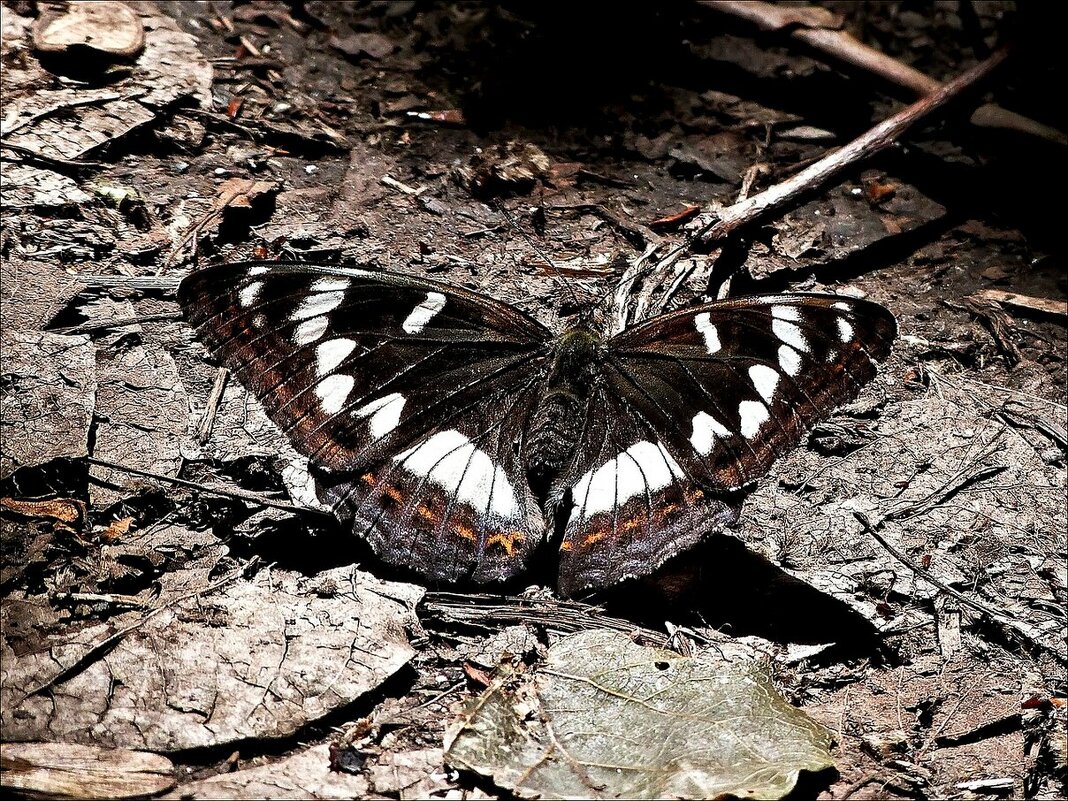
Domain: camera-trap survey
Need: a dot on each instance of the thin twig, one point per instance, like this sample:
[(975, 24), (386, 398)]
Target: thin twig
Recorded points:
[(207, 422), (122, 322), (241, 495), (147, 282), (557, 615), (847, 49), (1055, 308), (56, 161), (633, 231), (873, 141), (924, 574), (714, 227)]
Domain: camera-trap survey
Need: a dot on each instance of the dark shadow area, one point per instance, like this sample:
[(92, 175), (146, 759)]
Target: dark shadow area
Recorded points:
[(529, 64), (725, 585), (307, 543)]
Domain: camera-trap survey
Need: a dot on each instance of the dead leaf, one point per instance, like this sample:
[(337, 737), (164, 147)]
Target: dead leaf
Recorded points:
[(606, 718), (244, 192), (47, 398), (26, 186), (62, 510), (104, 26), (508, 169), (142, 410), (356, 45), (66, 770), (73, 122), (673, 220), (399, 772), (305, 775), (255, 658)]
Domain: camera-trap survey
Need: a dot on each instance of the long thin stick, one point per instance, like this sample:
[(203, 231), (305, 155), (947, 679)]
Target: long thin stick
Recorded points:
[(847, 49), (253, 497), (720, 225), (877, 139)]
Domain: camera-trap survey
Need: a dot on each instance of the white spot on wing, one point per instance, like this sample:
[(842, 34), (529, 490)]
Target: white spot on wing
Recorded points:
[(331, 284), (333, 391), (384, 412), (706, 430), (643, 467), (705, 327), (841, 306), (451, 460), (317, 304), (332, 353), (789, 360), (791, 313), (753, 415), (790, 334), (309, 331), (845, 330), (248, 294), (424, 313), (764, 379), (260, 270)]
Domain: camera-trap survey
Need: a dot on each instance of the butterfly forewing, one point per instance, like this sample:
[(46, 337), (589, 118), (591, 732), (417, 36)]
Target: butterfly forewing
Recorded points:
[(711, 397), (403, 393), (736, 384)]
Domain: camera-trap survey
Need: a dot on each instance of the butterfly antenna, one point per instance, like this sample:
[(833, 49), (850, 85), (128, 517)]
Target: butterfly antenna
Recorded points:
[(537, 249)]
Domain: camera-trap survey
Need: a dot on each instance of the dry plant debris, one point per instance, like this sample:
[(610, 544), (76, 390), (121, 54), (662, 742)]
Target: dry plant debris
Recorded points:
[(605, 718), (66, 770), (211, 665)]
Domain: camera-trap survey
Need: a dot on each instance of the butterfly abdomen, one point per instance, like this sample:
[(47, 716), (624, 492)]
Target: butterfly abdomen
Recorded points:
[(559, 419)]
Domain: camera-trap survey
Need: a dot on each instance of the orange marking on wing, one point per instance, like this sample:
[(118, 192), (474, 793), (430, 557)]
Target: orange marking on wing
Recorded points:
[(369, 479), (465, 531), (505, 540), (631, 523), (426, 512), (567, 545), (394, 493), (694, 495), (594, 537)]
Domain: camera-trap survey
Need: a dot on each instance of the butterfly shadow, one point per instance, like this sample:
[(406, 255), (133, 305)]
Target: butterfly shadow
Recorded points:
[(724, 585)]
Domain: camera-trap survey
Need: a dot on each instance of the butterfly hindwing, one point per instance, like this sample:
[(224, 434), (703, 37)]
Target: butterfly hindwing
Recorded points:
[(697, 404), (632, 504), (405, 394)]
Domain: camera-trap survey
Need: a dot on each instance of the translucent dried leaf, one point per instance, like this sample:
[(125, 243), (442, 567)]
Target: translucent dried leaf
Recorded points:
[(605, 718)]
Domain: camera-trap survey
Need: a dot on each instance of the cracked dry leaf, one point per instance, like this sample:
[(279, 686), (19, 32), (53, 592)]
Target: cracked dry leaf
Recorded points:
[(605, 718), (255, 658), (142, 409), (64, 122), (47, 395)]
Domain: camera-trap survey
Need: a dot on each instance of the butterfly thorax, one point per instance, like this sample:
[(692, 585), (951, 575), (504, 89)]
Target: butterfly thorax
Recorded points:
[(560, 415)]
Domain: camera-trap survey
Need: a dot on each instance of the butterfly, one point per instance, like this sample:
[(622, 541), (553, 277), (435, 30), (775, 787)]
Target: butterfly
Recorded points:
[(460, 437)]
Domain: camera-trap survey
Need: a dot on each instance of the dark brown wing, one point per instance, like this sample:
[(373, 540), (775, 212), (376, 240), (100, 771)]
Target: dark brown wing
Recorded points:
[(406, 395), (699, 403)]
